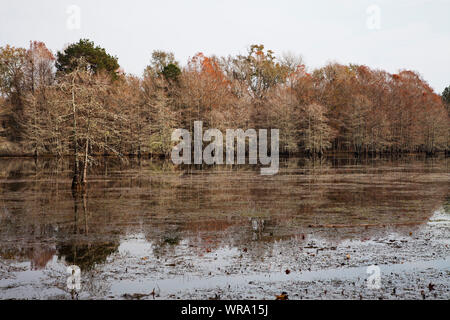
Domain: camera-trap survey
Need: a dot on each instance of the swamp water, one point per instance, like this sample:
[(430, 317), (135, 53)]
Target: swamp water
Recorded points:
[(150, 230)]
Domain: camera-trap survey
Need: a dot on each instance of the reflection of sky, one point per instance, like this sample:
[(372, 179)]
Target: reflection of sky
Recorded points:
[(135, 245), (440, 217), (413, 34)]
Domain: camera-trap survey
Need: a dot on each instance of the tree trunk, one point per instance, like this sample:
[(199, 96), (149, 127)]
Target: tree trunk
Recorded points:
[(76, 176), (84, 178)]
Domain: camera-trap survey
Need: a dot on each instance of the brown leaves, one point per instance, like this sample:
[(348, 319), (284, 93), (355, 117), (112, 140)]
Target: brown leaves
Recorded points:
[(351, 108), (282, 296)]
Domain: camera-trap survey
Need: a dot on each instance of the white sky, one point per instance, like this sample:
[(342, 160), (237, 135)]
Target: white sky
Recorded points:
[(413, 34)]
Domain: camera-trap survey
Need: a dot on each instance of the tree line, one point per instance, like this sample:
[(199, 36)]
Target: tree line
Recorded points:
[(79, 102)]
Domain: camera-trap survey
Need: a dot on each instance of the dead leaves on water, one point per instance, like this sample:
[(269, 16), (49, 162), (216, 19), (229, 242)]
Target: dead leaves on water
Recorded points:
[(282, 296)]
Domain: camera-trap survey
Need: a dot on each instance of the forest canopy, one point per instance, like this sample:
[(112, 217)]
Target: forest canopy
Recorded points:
[(78, 103)]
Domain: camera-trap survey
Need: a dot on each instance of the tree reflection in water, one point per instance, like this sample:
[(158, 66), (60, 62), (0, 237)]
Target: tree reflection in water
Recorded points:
[(207, 206)]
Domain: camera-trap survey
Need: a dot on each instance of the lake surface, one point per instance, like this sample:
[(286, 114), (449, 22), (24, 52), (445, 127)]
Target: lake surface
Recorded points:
[(225, 231)]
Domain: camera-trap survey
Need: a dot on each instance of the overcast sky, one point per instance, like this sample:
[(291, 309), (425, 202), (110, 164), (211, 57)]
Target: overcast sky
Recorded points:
[(409, 34)]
